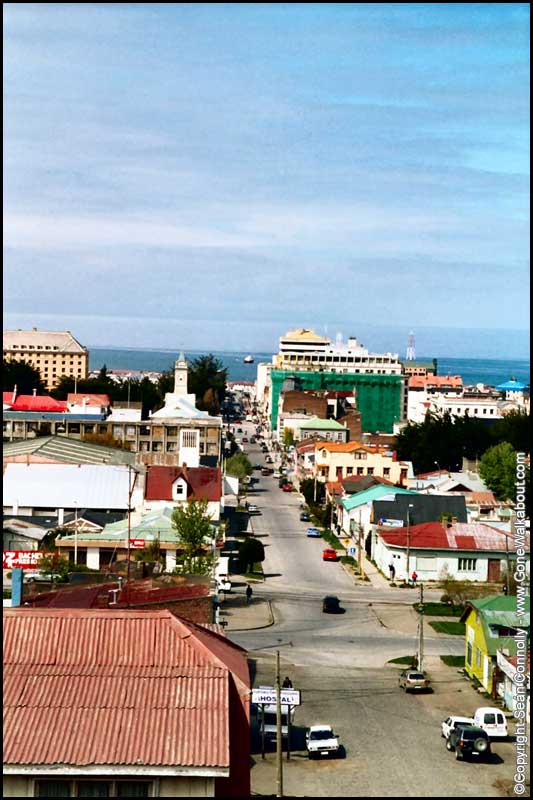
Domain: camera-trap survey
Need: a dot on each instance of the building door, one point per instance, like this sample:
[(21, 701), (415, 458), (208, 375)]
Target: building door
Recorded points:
[(494, 570)]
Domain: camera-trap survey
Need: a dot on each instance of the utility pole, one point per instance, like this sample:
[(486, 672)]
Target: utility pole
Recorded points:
[(421, 631), (507, 565), (408, 540), (130, 493), (279, 731)]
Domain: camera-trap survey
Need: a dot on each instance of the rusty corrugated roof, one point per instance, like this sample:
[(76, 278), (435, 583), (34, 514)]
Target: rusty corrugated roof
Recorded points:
[(86, 687)]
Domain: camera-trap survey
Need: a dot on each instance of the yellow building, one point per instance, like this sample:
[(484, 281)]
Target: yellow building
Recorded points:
[(491, 625), (53, 353), (334, 462)]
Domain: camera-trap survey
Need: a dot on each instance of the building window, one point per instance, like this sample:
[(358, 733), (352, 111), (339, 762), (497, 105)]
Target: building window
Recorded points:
[(467, 564), (53, 789), (94, 789), (478, 657), (469, 654), (386, 472), (360, 471), (370, 471)]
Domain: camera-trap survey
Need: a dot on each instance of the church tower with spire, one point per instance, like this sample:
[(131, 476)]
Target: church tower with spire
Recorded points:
[(180, 376)]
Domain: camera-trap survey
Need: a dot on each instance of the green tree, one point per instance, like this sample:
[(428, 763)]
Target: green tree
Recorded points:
[(308, 487), (251, 551), (208, 373), (498, 469), (53, 564), (193, 531), (239, 466), (515, 428), (288, 437), (22, 375)]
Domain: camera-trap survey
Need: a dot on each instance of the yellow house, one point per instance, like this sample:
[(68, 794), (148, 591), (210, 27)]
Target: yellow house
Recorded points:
[(336, 461), (491, 625)]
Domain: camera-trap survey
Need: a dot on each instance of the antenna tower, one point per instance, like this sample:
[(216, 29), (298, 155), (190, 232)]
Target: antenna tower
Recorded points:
[(410, 355)]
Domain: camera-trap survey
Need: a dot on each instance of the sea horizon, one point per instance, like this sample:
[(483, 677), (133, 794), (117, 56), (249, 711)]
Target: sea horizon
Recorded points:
[(490, 371)]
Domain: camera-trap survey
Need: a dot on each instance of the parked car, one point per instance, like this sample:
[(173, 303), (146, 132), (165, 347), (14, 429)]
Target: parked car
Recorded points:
[(321, 741), (36, 576), (282, 482), (450, 723), (329, 554), (223, 584), (253, 509), (245, 439), (304, 516), (331, 605), (469, 742), (287, 487), (252, 439), (411, 680), (491, 720), (313, 533), (268, 459), (266, 471)]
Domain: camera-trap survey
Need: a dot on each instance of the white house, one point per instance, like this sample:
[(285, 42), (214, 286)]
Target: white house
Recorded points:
[(465, 551)]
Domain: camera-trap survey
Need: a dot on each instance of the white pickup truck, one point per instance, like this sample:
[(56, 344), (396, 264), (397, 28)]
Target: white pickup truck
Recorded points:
[(321, 741)]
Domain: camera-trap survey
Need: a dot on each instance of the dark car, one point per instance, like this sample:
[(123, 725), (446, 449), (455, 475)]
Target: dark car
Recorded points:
[(282, 482), (331, 605), (304, 516), (469, 741)]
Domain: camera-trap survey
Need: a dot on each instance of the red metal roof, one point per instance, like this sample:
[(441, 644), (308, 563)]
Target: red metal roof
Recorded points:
[(204, 483), (139, 688), (141, 593), (29, 402), (460, 536)]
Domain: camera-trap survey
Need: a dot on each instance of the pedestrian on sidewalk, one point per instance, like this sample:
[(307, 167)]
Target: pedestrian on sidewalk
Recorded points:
[(249, 592), (287, 683), (392, 571), (414, 576)]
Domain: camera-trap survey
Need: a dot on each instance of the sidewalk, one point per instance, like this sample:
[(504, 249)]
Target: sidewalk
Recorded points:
[(376, 578), (240, 616)]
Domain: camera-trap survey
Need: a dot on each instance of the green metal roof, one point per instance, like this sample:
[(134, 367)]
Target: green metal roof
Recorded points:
[(155, 525), (498, 611), (70, 451), (318, 424), (374, 493)]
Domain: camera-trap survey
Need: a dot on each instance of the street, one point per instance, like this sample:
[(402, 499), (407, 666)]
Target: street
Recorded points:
[(392, 741)]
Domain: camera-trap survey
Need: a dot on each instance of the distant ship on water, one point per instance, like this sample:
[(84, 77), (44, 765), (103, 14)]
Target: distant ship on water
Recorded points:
[(248, 359)]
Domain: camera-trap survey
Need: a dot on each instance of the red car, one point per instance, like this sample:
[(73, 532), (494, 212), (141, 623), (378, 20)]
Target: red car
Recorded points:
[(329, 554), (287, 487)]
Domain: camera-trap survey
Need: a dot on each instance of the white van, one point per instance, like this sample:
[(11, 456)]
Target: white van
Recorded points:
[(492, 720)]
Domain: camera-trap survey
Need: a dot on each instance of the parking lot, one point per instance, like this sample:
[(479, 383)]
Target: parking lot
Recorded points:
[(392, 740)]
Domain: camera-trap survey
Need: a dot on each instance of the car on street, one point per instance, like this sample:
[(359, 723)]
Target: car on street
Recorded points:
[(268, 459), (304, 516), (331, 604), (257, 466), (469, 742), (252, 440), (329, 554), (266, 470), (313, 533), (36, 576), (282, 482), (320, 740), (253, 509), (245, 439), (287, 487), (450, 723), (412, 680)]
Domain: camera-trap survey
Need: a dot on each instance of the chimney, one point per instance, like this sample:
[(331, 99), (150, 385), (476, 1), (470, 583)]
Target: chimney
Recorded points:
[(14, 394), (35, 392)]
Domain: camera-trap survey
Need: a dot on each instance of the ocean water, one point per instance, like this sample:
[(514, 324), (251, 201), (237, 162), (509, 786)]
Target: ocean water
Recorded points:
[(472, 370)]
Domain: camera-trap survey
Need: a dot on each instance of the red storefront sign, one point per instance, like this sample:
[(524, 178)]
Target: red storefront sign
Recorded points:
[(137, 543), (20, 558)]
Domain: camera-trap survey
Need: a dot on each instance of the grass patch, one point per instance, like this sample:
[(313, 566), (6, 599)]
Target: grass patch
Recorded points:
[(402, 660), (451, 628), (440, 610), (453, 661), (331, 539)]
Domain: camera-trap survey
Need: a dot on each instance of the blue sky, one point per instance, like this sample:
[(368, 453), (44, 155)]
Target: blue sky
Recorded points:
[(209, 175)]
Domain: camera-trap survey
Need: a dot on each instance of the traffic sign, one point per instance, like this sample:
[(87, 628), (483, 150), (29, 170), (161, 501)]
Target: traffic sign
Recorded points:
[(352, 551), (267, 695)]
